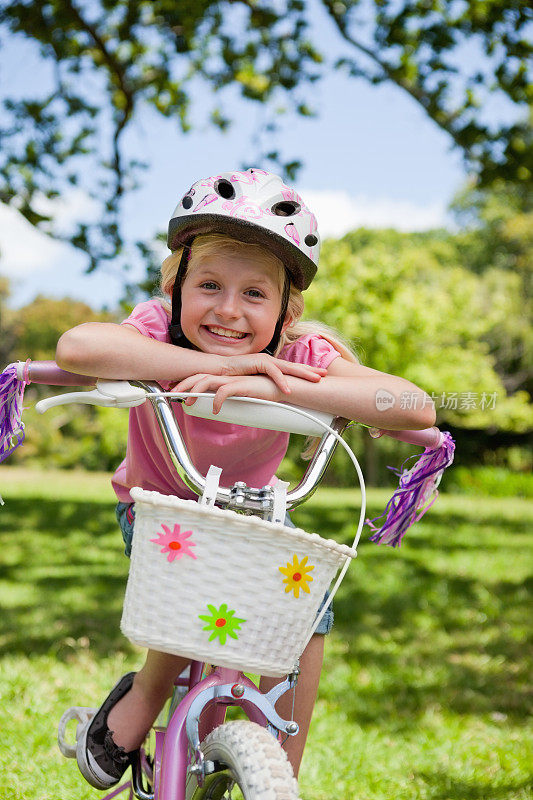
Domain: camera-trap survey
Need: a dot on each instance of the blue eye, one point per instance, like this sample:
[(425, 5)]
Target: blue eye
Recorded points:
[(254, 293), (208, 285)]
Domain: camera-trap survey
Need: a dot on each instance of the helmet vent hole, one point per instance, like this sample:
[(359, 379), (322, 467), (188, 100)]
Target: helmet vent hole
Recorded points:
[(311, 240), (286, 208), (187, 201), (225, 189)]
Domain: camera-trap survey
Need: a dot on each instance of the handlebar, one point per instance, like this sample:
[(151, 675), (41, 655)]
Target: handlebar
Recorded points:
[(281, 416), (430, 438), (47, 372), (257, 500), (415, 494)]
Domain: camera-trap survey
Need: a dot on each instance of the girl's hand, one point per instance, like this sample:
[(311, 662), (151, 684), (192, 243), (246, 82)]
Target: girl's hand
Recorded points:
[(224, 386), (275, 368)]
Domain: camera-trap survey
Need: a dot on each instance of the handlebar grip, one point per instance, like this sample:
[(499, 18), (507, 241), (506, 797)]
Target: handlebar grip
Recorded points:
[(47, 372), (241, 411), (430, 438)]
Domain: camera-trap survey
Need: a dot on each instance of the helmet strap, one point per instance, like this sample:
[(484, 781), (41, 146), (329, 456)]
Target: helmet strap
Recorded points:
[(274, 342), (175, 332)]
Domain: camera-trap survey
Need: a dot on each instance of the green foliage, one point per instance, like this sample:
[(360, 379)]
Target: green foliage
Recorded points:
[(504, 216), (39, 325), (412, 309), (497, 231), (147, 52), (7, 332), (136, 53), (416, 43), (490, 481), (74, 436)]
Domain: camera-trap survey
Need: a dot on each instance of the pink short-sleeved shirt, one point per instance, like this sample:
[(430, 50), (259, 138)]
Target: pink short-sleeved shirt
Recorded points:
[(249, 454)]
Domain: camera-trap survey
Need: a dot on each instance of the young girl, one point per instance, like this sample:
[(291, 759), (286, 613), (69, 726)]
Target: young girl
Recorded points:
[(244, 246)]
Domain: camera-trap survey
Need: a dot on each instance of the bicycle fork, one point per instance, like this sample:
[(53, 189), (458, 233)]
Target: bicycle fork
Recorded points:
[(181, 766)]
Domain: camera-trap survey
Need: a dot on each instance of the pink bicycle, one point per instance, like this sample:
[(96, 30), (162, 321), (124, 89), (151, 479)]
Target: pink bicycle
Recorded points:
[(235, 545)]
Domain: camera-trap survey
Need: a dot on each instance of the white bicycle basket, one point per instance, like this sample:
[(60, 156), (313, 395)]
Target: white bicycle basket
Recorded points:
[(228, 589)]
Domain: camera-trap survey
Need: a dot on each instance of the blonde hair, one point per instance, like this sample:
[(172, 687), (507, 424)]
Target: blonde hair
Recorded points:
[(211, 244)]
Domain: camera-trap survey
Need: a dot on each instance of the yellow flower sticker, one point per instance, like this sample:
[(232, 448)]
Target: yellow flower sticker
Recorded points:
[(296, 575)]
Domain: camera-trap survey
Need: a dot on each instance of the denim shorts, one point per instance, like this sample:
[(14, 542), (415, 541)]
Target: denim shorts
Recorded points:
[(126, 516)]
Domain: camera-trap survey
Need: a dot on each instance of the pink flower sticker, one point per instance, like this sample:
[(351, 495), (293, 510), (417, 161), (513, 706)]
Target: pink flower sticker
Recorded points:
[(175, 542)]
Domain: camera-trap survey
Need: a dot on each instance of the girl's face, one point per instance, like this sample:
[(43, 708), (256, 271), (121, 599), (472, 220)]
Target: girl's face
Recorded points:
[(230, 305)]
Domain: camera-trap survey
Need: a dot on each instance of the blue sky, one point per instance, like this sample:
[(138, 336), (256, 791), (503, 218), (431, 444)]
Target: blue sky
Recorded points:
[(371, 158)]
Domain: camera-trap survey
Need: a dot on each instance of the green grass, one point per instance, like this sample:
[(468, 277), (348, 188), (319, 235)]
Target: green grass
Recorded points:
[(425, 686), (495, 481)]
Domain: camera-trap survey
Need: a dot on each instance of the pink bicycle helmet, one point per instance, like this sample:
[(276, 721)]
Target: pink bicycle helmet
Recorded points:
[(252, 206)]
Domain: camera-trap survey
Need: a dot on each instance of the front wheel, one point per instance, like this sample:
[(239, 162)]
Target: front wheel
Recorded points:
[(250, 765)]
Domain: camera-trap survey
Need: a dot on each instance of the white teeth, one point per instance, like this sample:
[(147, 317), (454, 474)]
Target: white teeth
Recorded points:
[(226, 333)]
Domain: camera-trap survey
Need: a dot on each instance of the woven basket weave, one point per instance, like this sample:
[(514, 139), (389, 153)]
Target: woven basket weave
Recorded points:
[(218, 562)]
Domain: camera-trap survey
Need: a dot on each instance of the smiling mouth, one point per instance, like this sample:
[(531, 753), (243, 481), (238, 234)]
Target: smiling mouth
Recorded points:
[(225, 333)]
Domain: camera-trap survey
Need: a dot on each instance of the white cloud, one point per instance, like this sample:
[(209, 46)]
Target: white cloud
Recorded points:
[(36, 264), (23, 249), (338, 212), (69, 208)]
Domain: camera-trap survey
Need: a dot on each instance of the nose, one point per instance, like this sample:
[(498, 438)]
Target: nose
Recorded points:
[(228, 305)]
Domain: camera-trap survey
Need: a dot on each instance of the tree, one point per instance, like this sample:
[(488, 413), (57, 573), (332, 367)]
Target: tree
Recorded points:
[(38, 326), (412, 309), (76, 436), (112, 57), (496, 229), (7, 330)]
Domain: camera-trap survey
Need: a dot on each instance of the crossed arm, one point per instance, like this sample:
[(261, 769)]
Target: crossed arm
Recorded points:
[(346, 389)]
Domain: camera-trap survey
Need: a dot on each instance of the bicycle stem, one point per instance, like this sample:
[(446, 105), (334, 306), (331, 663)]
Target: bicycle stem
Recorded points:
[(256, 500)]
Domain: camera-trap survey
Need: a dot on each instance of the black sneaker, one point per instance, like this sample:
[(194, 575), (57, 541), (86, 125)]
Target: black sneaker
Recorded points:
[(101, 762)]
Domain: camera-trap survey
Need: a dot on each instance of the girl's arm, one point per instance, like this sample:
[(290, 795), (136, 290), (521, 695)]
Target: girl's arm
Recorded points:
[(348, 390), (368, 396), (106, 350)]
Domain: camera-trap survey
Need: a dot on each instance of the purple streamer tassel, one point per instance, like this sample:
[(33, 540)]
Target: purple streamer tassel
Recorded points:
[(11, 425), (416, 493)]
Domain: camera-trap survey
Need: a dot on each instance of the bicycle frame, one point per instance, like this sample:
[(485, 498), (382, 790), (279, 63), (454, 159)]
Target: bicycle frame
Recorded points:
[(179, 766)]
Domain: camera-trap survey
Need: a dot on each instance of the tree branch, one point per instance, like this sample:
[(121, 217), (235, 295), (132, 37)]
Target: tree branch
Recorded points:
[(443, 120), (119, 72)]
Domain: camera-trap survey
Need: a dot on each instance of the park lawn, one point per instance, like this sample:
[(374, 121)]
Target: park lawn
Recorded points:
[(425, 687)]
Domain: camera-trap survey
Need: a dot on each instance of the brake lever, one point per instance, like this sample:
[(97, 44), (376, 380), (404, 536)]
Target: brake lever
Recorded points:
[(111, 394)]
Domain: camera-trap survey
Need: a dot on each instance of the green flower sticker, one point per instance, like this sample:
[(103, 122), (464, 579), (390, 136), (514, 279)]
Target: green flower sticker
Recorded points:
[(222, 622)]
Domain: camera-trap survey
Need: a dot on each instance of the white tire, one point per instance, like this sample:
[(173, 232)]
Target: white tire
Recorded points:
[(249, 760)]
